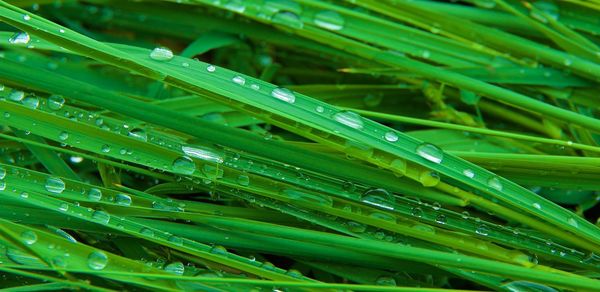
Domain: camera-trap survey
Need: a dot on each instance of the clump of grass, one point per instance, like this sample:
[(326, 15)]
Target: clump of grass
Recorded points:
[(299, 145)]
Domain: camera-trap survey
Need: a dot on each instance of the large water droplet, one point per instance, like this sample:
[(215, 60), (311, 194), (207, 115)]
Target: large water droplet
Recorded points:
[(203, 153), (29, 237), (176, 268), (54, 185), (378, 197), (526, 286), (22, 258), (63, 136), (97, 260), (161, 54), (430, 152), (94, 194), (101, 216), (283, 94), (123, 199), (217, 249), (329, 19), (350, 119), (16, 95), (184, 165), (391, 136), (31, 102), (288, 18), (495, 183), (19, 38), (138, 133)]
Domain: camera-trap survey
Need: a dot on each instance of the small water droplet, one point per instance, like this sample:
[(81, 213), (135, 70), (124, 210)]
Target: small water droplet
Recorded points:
[(19, 38), (320, 109), (573, 222), (105, 148), (203, 153), (184, 165), (385, 281), (16, 95), (176, 268), (161, 54), (239, 80), (255, 86), (31, 102), (391, 136), (469, 173), (26, 17), (430, 152), (217, 249), (138, 133), (350, 119), (243, 180), (525, 286), (175, 240), (329, 19), (495, 183), (63, 136), (537, 206), (482, 230), (283, 94), (288, 18), (54, 185), (147, 232), (97, 260)]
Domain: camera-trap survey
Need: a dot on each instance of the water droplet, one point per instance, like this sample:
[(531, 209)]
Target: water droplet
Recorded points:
[(385, 281), (391, 136), (147, 232), (19, 38), (239, 80), (123, 199), (482, 230), (430, 152), (495, 183), (94, 194), (255, 86), (243, 180), (161, 54), (469, 173), (288, 18), (441, 219), (105, 148), (26, 17), (176, 268), (22, 258), (138, 133), (217, 249), (2, 172), (329, 19), (283, 94), (378, 197), (175, 240), (350, 119), (63, 136), (29, 237), (573, 222), (54, 185), (31, 102), (184, 165), (16, 95), (203, 153), (417, 212), (101, 216), (429, 178), (2, 185), (537, 206), (63, 207), (97, 260), (356, 227), (320, 109), (211, 68), (526, 286)]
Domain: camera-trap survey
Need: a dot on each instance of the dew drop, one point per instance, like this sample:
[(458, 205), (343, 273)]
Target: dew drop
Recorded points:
[(19, 38), (329, 19), (63, 136), (54, 185), (175, 240), (176, 268), (138, 133), (385, 281), (31, 102), (495, 183), (184, 165), (101, 216), (482, 230), (391, 136), (94, 194), (203, 153), (29, 237), (105, 148), (123, 199), (283, 94), (217, 249), (430, 152), (211, 68), (239, 80), (147, 232), (26, 17), (161, 54), (243, 180), (288, 18), (255, 86), (537, 206), (320, 109), (350, 119), (469, 173), (2, 172), (521, 286), (16, 95), (573, 222), (97, 260)]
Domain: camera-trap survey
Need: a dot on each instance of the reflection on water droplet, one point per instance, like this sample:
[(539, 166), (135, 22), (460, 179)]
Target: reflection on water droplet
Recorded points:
[(16, 95), (138, 133), (469, 173), (202, 153), (101, 216), (391, 136), (63, 136), (430, 152), (329, 19), (482, 230), (239, 80), (495, 183), (123, 199), (94, 194), (176, 268), (385, 281), (526, 286), (97, 260)]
